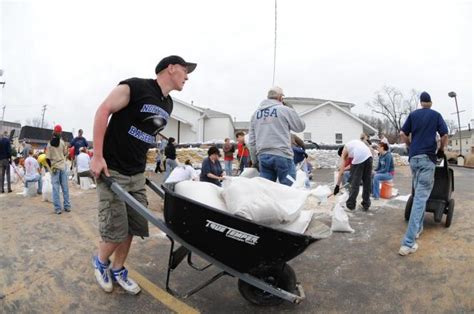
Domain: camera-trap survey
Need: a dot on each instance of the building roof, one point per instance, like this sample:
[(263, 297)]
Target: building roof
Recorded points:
[(39, 135), (242, 125), (315, 101), (367, 127), (178, 118), (216, 114), (10, 124), (464, 134), (187, 105)]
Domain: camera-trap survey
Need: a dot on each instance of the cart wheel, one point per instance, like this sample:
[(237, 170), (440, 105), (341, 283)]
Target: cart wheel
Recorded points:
[(449, 214), (408, 208), (277, 276)]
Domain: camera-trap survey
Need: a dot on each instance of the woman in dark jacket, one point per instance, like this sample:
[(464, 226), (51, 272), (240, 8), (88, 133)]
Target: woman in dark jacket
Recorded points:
[(211, 170), (170, 154), (384, 171)]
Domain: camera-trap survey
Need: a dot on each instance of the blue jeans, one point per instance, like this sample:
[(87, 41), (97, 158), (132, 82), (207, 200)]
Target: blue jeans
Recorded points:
[(37, 178), (170, 165), (59, 179), (345, 177), (244, 163), (276, 167), (423, 170), (379, 177), (228, 167)]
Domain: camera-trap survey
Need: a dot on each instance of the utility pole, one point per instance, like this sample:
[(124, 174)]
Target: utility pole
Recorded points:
[(3, 112), (42, 116), (275, 46)]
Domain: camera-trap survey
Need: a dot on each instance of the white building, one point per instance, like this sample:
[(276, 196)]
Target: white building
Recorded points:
[(329, 122), (464, 140), (192, 124)]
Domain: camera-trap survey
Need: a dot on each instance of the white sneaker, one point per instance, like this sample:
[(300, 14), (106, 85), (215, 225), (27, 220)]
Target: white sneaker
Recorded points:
[(121, 277), (102, 274), (405, 250)]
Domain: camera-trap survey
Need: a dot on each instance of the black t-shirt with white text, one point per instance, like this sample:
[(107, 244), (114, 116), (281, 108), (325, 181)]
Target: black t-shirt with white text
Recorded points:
[(132, 130)]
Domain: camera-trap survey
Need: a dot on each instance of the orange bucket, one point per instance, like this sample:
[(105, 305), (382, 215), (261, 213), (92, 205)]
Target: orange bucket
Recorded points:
[(386, 189)]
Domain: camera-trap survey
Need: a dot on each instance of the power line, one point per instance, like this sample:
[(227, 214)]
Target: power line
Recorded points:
[(275, 45)]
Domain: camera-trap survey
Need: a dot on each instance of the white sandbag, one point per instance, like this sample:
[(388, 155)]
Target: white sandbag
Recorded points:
[(300, 224), (30, 189), (250, 173), (16, 173), (47, 188), (321, 192), (262, 200), (202, 192), (86, 183), (340, 220), (301, 179)]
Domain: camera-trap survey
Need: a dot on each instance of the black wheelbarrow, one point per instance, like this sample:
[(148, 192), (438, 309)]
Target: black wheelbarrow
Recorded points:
[(257, 255), (440, 201)]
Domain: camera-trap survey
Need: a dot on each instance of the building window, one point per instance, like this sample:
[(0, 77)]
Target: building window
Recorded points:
[(456, 142), (466, 142), (450, 142), (338, 138), (307, 136)]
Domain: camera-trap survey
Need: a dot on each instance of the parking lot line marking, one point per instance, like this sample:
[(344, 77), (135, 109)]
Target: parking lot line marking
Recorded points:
[(161, 295)]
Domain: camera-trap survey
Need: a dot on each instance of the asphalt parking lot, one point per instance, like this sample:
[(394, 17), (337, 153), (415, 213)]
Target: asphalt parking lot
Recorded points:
[(45, 262)]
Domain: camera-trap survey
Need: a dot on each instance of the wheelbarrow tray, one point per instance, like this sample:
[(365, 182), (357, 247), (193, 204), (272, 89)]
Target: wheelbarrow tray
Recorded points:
[(237, 242), (235, 245)]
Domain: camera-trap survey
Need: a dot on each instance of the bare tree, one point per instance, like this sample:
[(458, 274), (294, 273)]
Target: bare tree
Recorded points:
[(382, 126), (390, 103), (36, 122), (374, 122), (452, 126)]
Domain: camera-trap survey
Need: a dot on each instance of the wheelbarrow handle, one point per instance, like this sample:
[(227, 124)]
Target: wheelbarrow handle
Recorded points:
[(108, 180)]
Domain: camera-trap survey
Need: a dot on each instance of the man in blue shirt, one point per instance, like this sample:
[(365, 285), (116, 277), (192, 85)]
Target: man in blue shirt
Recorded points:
[(422, 125), (78, 142)]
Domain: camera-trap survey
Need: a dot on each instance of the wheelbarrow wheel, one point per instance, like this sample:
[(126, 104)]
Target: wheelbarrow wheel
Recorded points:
[(408, 208), (449, 214), (277, 276)]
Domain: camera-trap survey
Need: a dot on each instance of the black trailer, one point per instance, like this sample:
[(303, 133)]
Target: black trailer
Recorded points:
[(440, 200), (257, 255)]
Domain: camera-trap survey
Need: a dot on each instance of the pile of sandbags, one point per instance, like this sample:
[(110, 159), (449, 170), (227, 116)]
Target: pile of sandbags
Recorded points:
[(195, 155), (151, 156), (322, 158), (319, 158), (400, 160)]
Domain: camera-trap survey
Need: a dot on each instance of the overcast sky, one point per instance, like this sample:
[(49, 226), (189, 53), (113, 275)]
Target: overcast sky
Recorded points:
[(69, 55)]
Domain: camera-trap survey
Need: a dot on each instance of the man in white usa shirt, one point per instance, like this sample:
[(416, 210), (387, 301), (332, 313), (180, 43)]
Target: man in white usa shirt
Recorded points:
[(32, 171), (83, 162)]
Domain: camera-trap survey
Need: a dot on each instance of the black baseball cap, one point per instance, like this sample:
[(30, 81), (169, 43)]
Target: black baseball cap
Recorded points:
[(163, 64)]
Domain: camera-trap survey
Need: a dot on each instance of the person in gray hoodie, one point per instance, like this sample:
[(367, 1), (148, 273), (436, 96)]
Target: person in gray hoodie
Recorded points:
[(270, 138)]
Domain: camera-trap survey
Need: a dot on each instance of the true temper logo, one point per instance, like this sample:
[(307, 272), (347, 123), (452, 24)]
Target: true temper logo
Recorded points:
[(233, 233)]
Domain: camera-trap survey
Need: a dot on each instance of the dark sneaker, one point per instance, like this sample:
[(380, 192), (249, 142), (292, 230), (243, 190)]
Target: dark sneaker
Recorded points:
[(58, 212), (67, 210), (102, 274), (121, 277)]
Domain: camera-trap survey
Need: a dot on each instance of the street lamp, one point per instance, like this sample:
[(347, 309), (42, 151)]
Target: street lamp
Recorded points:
[(3, 108), (453, 95), (1, 73)]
